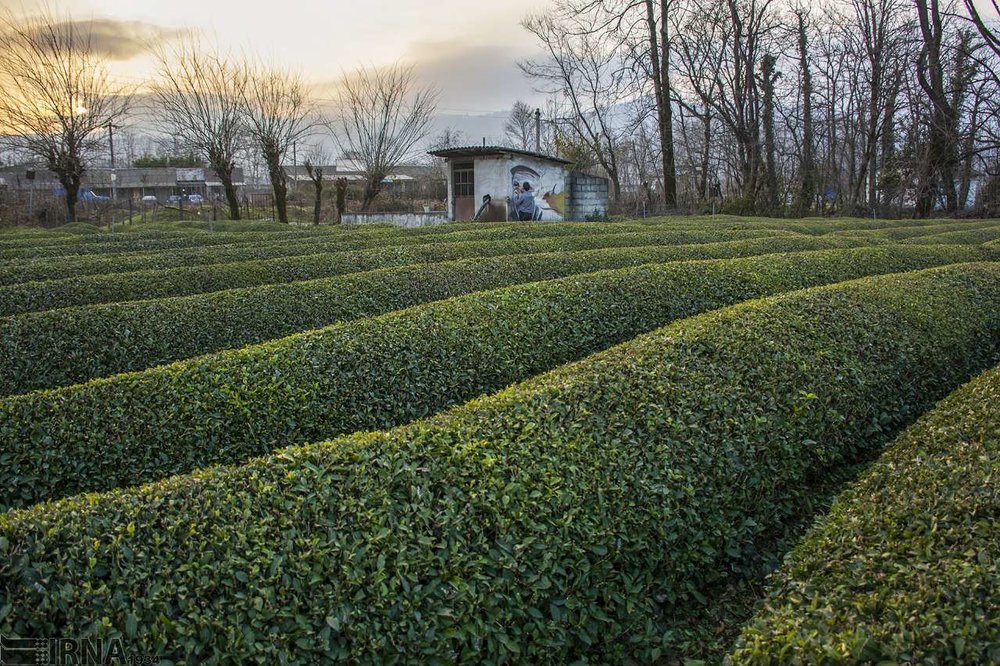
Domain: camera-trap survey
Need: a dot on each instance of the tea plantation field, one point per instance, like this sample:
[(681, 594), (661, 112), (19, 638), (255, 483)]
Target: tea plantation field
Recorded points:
[(674, 441)]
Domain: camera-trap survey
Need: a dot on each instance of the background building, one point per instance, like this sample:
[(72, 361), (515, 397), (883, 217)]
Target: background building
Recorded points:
[(161, 182)]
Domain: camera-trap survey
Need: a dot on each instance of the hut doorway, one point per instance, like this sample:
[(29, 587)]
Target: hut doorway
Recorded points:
[(464, 179)]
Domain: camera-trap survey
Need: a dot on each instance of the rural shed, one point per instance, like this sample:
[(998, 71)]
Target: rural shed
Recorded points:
[(482, 179)]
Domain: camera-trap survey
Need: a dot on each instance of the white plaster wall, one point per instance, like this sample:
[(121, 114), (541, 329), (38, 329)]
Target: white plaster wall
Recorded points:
[(408, 220), (490, 179), (495, 176)]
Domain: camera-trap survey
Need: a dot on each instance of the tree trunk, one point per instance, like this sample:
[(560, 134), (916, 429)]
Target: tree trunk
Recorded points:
[(706, 154), (659, 49), (341, 186), (807, 184), (281, 200), (372, 188), (69, 170), (279, 183), (768, 77), (231, 199), (963, 71), (889, 179), (318, 204), (938, 172), (316, 176), (866, 169), (224, 171), (965, 184), (72, 187)]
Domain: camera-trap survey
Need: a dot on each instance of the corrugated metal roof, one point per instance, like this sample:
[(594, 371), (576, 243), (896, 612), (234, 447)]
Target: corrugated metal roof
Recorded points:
[(490, 151)]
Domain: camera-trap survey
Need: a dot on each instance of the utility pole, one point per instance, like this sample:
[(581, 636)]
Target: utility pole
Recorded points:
[(114, 176), (538, 130)]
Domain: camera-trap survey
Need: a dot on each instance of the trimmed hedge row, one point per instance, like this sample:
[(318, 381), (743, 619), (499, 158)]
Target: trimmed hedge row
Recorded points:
[(434, 230), (971, 236), (825, 225), (49, 269), (51, 239), (24, 231), (910, 229), (59, 347), (329, 240), (113, 288), (906, 568), (374, 374), (238, 226), (171, 237), (132, 244), (566, 518), (26, 270)]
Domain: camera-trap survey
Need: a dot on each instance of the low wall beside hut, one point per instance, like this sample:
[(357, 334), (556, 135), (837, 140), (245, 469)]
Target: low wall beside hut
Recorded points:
[(407, 220), (588, 196)]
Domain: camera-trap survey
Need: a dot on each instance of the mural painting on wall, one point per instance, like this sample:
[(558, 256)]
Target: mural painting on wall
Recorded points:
[(550, 201)]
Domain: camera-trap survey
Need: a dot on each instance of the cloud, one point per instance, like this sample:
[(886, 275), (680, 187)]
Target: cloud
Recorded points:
[(114, 39), (471, 76), (124, 40)]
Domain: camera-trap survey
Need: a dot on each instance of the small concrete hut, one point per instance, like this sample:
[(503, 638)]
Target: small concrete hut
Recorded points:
[(482, 179)]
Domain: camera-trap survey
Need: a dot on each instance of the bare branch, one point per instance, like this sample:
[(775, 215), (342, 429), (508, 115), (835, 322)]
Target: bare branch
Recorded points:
[(58, 96), (386, 116)]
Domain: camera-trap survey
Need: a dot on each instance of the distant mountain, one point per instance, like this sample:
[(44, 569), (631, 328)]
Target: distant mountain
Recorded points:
[(473, 127)]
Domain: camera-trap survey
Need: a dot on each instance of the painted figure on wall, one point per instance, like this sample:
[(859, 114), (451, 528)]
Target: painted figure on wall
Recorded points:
[(549, 202)]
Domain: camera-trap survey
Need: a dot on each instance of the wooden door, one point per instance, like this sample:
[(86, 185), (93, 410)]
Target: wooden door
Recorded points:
[(464, 183)]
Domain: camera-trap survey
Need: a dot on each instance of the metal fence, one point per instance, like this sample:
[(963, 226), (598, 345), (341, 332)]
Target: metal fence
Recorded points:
[(43, 209)]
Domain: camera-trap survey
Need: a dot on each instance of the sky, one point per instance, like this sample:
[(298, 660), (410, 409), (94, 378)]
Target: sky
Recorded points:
[(470, 50)]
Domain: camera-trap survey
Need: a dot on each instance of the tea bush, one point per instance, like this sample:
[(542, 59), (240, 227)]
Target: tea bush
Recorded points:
[(558, 520), (374, 373), (906, 568), (162, 283), (68, 346), (290, 246)]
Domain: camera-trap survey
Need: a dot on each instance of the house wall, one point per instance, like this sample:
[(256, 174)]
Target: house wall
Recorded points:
[(490, 179), (559, 193), (496, 176), (451, 192)]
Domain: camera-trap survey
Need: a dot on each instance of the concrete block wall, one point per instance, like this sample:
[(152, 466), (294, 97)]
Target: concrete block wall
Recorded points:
[(589, 195)]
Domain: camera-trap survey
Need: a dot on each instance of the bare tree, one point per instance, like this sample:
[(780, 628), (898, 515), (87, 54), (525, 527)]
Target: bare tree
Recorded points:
[(807, 182), (314, 169), (199, 96), (939, 164), (386, 115), (766, 80), (720, 51), (660, 51), (642, 31), (316, 176), (449, 137), (340, 187), (849, 106), (583, 66), (987, 28), (278, 114), (519, 128), (58, 96)]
